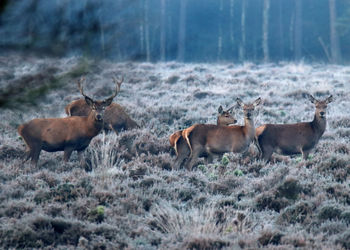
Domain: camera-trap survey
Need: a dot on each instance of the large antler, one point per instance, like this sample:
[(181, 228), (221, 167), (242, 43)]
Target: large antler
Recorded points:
[(79, 82), (118, 84)]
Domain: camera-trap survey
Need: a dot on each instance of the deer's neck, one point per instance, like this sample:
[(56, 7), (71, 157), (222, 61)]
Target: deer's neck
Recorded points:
[(319, 124), (249, 128)]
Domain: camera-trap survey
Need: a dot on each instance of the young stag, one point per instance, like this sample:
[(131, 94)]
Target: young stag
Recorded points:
[(206, 139), (289, 139), (182, 150), (65, 134), (115, 117)]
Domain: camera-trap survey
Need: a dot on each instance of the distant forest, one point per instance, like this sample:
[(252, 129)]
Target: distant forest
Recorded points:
[(183, 30)]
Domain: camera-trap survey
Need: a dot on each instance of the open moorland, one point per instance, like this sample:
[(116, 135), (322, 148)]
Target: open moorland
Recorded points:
[(129, 196)]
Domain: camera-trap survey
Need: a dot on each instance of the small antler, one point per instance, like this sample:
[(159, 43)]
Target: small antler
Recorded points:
[(118, 84), (79, 83)]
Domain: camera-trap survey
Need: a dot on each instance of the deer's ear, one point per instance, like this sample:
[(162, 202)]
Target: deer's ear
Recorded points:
[(239, 102), (257, 102), (89, 101), (220, 110), (329, 99), (107, 102), (312, 99)]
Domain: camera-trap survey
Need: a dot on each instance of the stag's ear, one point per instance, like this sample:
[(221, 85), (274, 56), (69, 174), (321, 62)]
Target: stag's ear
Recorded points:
[(239, 102), (220, 110), (257, 102), (107, 102), (89, 101), (329, 99), (312, 99)]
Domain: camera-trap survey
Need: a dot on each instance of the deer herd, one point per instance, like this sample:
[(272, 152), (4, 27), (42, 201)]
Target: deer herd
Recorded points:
[(87, 117)]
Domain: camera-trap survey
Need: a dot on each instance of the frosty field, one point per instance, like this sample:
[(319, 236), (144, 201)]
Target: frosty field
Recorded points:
[(128, 196)]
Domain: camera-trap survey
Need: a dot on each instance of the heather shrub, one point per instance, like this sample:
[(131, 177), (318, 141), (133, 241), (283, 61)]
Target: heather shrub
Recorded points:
[(205, 242), (329, 212), (16, 209), (289, 189), (344, 240), (345, 215), (300, 212), (268, 200), (269, 237), (297, 240)]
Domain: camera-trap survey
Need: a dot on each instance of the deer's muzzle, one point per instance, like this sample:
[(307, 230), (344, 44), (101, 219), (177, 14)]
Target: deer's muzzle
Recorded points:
[(99, 117)]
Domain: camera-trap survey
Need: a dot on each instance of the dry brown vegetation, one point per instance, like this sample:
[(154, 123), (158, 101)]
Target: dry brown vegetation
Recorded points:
[(128, 195)]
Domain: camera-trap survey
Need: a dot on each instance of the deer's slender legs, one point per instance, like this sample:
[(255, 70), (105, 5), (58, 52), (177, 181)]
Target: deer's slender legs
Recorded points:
[(179, 160), (196, 151), (28, 155), (110, 126), (183, 152), (256, 143), (81, 158), (305, 153), (35, 156), (266, 153), (67, 153), (209, 158)]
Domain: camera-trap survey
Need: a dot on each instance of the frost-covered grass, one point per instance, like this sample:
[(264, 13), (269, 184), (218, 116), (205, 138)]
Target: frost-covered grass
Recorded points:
[(131, 198)]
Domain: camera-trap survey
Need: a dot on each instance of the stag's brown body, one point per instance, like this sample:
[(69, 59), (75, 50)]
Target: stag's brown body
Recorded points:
[(59, 134), (115, 116), (289, 139), (209, 140), (64, 134)]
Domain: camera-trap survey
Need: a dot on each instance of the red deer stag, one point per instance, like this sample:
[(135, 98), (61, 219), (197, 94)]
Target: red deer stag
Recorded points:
[(65, 134), (115, 117), (209, 140), (289, 139), (176, 140)]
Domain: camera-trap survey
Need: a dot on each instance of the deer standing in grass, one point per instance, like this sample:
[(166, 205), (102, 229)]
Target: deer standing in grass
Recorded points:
[(65, 134), (289, 139), (115, 118), (213, 139), (182, 150)]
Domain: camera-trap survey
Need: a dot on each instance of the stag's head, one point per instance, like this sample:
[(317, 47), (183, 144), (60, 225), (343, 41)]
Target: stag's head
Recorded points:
[(226, 117), (98, 107), (321, 106), (248, 109)]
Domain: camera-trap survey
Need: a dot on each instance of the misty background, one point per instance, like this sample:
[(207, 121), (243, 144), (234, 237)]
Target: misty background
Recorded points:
[(182, 30)]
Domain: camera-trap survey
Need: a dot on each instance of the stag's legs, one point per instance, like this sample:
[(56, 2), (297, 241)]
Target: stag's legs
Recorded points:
[(110, 126), (27, 156), (81, 158), (305, 153), (67, 154), (35, 153), (28, 153)]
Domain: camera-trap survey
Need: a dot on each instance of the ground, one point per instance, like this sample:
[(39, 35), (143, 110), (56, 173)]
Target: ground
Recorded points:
[(128, 195)]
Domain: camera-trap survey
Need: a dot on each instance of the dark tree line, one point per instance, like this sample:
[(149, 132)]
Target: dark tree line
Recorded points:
[(184, 30)]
